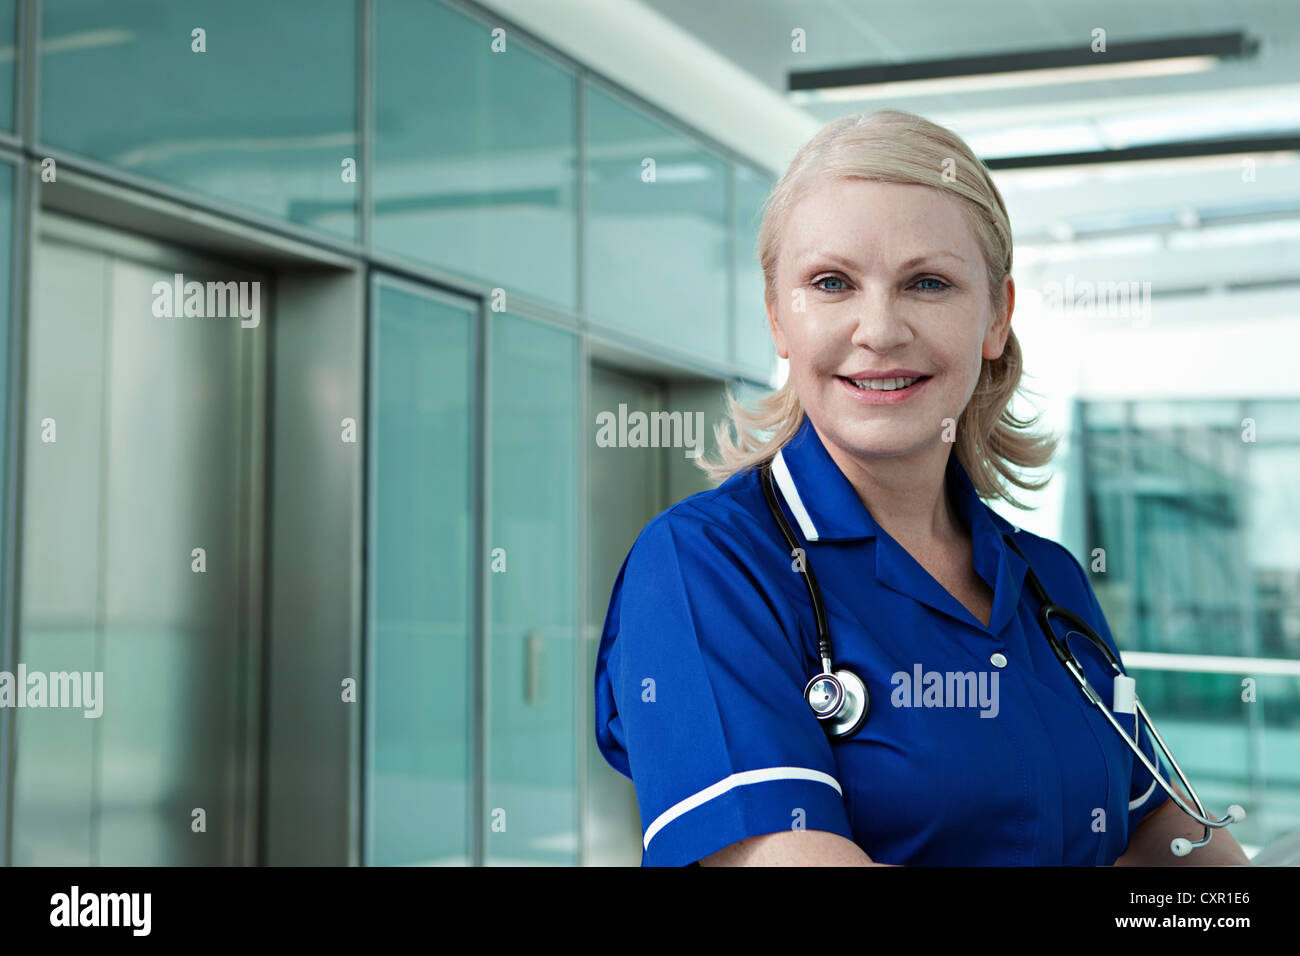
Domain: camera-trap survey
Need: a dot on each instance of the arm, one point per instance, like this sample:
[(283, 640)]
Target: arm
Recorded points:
[(1149, 844), (792, 848), (718, 752)]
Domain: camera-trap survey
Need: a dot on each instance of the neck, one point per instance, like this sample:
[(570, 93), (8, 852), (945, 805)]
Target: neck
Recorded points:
[(906, 494)]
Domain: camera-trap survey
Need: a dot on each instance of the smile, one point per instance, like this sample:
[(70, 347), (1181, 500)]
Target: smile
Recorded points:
[(883, 391)]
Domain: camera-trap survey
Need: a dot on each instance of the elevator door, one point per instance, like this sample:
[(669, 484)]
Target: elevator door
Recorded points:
[(141, 552)]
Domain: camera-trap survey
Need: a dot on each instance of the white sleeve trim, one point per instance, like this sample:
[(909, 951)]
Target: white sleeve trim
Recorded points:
[(730, 783), (1134, 804)]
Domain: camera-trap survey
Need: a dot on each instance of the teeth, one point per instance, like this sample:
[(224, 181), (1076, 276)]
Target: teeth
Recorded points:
[(882, 384)]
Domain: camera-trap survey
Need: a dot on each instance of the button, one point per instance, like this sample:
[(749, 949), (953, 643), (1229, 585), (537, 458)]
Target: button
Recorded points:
[(998, 660)]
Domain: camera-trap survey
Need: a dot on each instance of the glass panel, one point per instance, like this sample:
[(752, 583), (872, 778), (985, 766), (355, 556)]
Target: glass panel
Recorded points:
[(1232, 750), (1166, 502), (1103, 414), (1274, 547), (657, 260), (8, 62), (265, 118), (475, 153), (1274, 418), (534, 700), (419, 585), (755, 352), (1202, 560)]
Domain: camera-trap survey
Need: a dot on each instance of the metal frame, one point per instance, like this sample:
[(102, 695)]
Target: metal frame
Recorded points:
[(25, 75), (583, 730), (10, 484)]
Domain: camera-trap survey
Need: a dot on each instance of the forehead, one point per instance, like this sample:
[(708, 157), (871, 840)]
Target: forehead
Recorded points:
[(894, 221)]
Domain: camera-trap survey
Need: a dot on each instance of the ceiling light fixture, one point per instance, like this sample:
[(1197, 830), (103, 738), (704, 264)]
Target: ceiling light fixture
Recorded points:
[(1144, 58)]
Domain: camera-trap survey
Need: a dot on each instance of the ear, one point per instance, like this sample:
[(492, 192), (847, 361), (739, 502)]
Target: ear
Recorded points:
[(778, 334), (995, 339)]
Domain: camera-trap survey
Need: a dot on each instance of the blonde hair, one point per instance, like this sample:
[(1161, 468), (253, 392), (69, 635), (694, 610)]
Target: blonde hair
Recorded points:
[(899, 147)]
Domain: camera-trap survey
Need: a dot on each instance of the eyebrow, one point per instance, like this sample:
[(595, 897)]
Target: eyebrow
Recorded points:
[(809, 257)]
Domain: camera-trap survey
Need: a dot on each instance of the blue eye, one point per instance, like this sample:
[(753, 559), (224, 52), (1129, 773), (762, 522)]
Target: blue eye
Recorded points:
[(819, 282), (935, 288)]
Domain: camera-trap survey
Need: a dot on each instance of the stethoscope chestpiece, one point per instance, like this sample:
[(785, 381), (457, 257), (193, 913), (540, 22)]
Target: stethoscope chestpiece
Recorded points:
[(840, 700), (824, 694)]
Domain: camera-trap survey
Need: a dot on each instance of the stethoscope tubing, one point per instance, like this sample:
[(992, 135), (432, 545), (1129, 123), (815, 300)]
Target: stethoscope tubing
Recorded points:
[(1047, 611)]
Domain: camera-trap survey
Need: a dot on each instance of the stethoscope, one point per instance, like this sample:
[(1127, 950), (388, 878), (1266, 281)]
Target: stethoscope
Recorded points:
[(840, 699)]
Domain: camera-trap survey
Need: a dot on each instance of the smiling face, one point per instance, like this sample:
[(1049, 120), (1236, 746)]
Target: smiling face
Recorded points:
[(890, 279)]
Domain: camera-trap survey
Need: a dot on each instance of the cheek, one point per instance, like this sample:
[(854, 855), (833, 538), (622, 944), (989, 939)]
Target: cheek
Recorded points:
[(811, 343)]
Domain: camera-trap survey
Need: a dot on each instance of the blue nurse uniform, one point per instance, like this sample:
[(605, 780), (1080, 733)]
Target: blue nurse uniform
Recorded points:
[(978, 749)]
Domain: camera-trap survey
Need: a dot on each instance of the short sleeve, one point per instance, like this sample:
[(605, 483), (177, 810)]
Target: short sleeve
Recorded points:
[(699, 697), (1145, 794)]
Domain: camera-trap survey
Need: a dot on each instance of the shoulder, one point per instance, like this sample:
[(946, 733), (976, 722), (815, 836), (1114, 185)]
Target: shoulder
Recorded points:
[(716, 557), (729, 518)]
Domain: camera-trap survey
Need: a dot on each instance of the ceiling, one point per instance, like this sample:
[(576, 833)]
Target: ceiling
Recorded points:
[(756, 35), (1192, 224)]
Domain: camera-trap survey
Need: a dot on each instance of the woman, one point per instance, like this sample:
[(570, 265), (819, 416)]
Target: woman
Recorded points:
[(886, 252)]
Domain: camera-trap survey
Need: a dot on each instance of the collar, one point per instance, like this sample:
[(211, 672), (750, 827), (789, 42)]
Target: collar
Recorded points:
[(827, 508)]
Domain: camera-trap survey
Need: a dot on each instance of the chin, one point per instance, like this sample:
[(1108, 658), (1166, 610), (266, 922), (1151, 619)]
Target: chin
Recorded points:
[(867, 440)]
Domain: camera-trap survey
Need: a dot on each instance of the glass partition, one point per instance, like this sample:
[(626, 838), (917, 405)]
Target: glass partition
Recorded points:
[(476, 166), (533, 692), (657, 253), (419, 579), (1192, 506), (249, 103)]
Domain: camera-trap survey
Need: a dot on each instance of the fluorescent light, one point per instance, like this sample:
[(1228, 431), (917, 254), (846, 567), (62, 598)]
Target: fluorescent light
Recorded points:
[(1015, 79)]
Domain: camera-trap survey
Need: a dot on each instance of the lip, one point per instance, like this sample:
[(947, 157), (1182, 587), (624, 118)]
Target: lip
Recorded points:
[(888, 373), (882, 398)]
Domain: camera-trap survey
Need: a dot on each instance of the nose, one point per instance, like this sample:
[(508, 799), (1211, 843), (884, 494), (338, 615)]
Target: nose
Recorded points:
[(879, 326)]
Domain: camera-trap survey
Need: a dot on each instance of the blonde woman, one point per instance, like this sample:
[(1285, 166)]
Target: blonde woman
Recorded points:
[(959, 737)]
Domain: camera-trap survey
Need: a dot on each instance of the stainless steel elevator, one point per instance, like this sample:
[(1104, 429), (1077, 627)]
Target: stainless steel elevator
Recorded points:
[(141, 544)]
